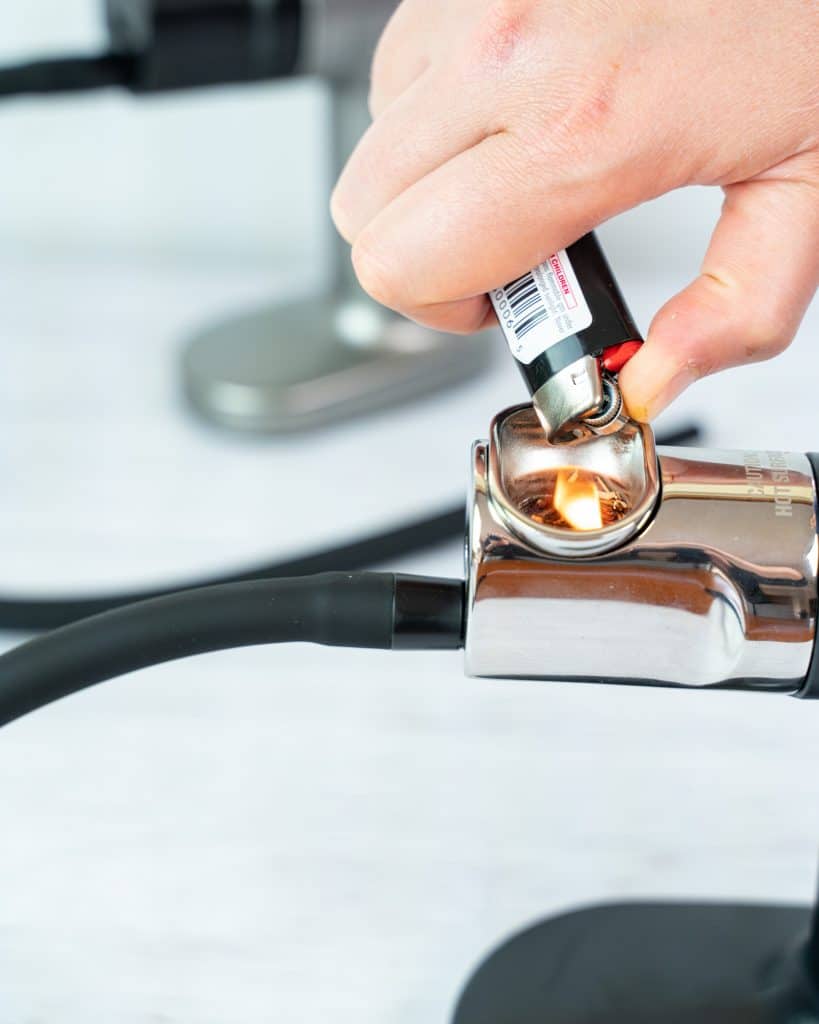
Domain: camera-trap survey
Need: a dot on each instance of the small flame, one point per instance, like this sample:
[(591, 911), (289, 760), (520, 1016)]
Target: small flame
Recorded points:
[(578, 500)]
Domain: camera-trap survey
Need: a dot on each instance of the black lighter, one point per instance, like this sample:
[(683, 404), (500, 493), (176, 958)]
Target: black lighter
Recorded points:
[(571, 332)]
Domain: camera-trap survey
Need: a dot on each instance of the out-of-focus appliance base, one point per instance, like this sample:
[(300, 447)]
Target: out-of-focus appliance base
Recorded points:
[(305, 364), (325, 357), (653, 963)]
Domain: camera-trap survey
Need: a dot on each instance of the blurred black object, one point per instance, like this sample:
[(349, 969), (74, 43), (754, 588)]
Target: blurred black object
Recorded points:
[(179, 44), (163, 45), (652, 963)]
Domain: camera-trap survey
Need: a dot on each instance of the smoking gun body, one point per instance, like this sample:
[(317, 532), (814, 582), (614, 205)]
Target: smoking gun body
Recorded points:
[(713, 584)]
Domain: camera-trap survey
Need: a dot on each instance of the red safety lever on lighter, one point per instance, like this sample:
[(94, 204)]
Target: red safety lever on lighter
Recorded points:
[(570, 331)]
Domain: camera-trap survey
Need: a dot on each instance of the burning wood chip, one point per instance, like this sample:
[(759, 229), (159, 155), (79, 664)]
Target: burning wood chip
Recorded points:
[(541, 508)]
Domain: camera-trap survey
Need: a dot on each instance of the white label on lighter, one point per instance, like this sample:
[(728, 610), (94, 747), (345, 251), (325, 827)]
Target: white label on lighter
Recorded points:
[(542, 308)]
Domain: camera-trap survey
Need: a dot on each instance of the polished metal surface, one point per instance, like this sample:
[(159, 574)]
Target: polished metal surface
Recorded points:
[(323, 358), (568, 395), (611, 410), (719, 587), (520, 459), (303, 365)]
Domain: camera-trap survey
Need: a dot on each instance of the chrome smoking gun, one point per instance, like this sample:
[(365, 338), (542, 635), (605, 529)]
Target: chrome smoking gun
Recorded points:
[(610, 560), (591, 555)]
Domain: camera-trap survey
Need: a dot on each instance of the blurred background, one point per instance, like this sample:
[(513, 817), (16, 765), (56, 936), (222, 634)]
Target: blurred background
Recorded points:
[(309, 834)]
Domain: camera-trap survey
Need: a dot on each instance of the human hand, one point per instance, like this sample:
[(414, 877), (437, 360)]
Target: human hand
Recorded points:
[(505, 129)]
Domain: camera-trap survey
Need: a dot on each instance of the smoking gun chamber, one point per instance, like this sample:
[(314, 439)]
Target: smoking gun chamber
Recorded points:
[(610, 560)]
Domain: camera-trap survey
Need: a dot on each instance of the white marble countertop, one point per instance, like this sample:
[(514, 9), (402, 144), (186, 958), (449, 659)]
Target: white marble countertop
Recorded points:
[(312, 835)]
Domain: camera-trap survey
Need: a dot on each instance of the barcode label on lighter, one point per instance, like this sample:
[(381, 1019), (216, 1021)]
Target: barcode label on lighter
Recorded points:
[(542, 308)]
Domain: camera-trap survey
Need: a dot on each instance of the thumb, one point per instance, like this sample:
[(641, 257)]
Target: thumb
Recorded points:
[(758, 278)]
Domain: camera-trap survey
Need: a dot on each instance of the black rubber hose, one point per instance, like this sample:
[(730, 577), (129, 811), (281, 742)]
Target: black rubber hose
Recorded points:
[(21, 614), (68, 74), (34, 614), (374, 610)]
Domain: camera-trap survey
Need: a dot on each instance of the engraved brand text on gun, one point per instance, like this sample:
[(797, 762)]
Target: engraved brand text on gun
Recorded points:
[(776, 473)]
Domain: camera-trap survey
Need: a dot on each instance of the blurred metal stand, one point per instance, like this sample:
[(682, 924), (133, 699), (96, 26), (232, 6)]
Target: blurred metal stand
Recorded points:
[(300, 364), (632, 963)]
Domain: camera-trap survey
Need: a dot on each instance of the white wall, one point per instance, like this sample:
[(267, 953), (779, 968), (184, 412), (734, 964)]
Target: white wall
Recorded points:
[(211, 175)]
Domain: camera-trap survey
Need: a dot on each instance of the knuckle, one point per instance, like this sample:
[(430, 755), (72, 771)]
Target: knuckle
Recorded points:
[(375, 275), (699, 364), (594, 117), (761, 329), (499, 34), (697, 360), (594, 101), (684, 342), (339, 214), (758, 330), (766, 333)]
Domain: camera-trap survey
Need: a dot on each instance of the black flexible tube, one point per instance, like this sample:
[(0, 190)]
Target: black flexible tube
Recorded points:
[(67, 74), (22, 614), (32, 614), (374, 610)]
